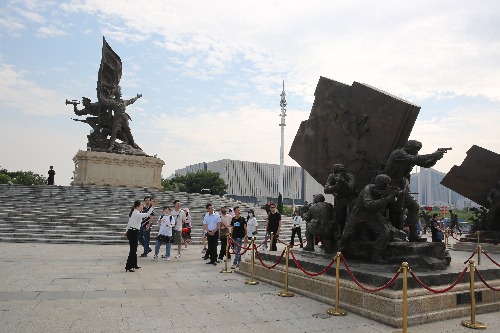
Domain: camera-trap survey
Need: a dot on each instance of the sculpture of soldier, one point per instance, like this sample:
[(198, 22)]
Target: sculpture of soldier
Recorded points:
[(320, 223), (120, 117), (493, 198), (398, 167), (367, 216), (340, 183)]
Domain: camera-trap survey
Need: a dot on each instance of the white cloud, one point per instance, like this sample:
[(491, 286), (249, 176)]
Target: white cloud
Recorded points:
[(409, 48), (31, 16), (460, 129), (19, 94), (50, 31)]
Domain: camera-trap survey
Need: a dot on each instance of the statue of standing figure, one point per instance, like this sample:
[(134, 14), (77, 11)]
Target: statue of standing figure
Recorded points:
[(341, 184)]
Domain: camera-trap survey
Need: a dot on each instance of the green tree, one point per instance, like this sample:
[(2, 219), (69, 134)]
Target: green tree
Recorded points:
[(4, 179), (22, 177), (280, 204), (196, 182)]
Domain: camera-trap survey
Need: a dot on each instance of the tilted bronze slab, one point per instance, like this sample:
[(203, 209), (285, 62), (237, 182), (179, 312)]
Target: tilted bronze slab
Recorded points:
[(358, 126), (476, 176)]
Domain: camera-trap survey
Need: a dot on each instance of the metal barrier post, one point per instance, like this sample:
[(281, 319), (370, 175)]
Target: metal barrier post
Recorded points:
[(286, 293), (336, 311), (472, 323), (225, 270), (478, 250), (252, 281), (404, 268)]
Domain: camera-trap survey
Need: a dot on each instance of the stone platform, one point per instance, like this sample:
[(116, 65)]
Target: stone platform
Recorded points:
[(386, 306), (93, 168)]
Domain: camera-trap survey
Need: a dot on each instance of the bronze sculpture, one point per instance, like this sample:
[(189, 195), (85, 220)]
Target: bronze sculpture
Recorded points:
[(341, 184), (107, 116), (398, 166), (320, 223), (367, 216)]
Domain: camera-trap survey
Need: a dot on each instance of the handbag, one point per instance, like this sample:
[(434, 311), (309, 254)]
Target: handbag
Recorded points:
[(223, 233)]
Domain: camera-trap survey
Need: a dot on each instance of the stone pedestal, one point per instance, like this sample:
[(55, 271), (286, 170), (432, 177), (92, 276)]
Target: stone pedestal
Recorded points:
[(116, 170)]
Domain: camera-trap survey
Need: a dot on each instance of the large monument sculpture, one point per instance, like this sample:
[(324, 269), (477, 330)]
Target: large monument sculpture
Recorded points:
[(107, 161), (108, 120), (477, 178), (366, 131)]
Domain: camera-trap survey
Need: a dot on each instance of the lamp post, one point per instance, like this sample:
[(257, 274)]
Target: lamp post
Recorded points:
[(282, 148)]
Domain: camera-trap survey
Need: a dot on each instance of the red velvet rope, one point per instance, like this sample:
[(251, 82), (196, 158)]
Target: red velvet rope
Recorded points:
[(241, 247), (299, 244), (308, 273), (368, 289), (269, 267), (485, 283), (487, 256), (279, 240), (261, 244), (473, 254), (439, 291)]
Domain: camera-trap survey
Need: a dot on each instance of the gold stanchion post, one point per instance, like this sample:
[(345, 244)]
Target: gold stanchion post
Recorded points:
[(478, 250), (271, 238), (404, 268), (472, 323), (252, 281), (225, 270), (336, 311), (286, 293)]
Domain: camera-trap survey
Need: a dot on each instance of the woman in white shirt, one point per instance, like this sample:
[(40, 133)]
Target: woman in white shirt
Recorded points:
[(297, 223), (251, 226), (132, 232)]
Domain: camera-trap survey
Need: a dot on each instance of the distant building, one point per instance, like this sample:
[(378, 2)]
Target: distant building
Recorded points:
[(427, 183), (258, 182)]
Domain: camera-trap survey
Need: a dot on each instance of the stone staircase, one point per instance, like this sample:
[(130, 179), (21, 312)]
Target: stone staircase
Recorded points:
[(97, 215)]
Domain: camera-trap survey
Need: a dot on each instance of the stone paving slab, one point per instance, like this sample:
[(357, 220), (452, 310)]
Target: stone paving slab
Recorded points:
[(84, 288)]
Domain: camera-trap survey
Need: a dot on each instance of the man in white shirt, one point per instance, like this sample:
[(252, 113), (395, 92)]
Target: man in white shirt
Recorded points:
[(211, 223)]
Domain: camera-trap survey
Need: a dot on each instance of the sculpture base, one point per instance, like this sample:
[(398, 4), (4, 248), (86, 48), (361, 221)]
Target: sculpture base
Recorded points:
[(490, 237), (116, 170), (384, 306)]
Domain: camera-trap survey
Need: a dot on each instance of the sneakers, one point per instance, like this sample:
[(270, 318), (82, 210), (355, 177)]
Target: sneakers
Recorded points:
[(204, 250), (163, 256), (178, 255), (155, 257), (144, 255), (233, 267), (167, 259)]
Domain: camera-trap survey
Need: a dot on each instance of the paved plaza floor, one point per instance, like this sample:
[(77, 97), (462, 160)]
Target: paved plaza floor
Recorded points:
[(84, 288)]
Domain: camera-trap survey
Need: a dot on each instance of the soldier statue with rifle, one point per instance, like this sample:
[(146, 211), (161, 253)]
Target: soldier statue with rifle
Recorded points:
[(398, 167)]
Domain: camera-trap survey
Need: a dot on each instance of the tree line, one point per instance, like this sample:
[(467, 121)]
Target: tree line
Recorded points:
[(21, 177)]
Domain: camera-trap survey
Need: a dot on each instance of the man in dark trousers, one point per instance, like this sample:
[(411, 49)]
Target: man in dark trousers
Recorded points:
[(211, 224), (52, 173), (273, 224), (145, 231), (238, 232)]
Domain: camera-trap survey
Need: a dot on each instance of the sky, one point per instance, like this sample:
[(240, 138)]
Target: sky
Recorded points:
[(211, 73)]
